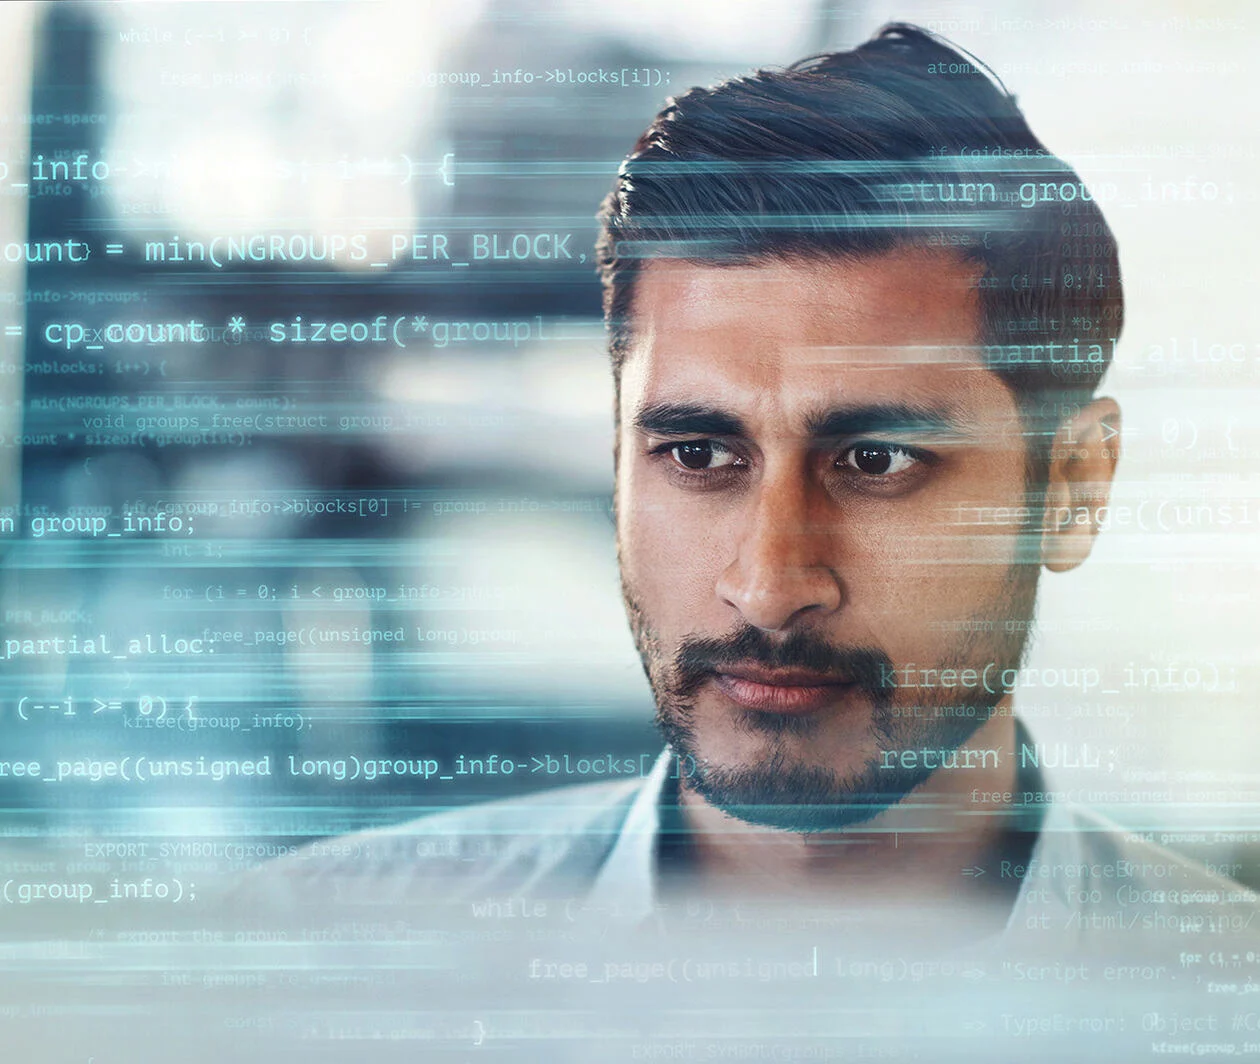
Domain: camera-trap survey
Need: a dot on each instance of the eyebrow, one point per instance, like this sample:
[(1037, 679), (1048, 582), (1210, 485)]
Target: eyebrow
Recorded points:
[(679, 419), (918, 418)]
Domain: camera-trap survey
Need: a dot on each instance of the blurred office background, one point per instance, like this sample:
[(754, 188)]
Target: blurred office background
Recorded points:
[(437, 167)]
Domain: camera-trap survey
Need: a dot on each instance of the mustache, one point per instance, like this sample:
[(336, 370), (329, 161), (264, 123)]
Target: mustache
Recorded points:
[(697, 659)]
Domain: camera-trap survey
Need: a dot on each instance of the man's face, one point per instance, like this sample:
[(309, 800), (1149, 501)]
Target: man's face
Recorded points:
[(796, 441)]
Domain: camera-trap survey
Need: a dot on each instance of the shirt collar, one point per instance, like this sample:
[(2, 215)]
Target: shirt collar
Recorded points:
[(625, 888)]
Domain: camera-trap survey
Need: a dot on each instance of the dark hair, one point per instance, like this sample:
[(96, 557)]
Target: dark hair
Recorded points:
[(901, 141)]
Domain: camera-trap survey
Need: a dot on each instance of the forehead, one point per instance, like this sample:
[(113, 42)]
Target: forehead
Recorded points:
[(767, 334)]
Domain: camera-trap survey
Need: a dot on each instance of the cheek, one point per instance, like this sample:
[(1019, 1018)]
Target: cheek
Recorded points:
[(905, 567), (668, 549)]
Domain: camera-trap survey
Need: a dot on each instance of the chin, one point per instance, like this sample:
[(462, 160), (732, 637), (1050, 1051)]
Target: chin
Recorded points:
[(805, 799), (789, 784), (834, 744)]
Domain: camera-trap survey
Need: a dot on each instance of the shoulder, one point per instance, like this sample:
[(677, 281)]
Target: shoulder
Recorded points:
[(1139, 858), (542, 843), (1115, 886)]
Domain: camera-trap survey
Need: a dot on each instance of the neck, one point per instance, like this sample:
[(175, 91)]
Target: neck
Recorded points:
[(912, 852)]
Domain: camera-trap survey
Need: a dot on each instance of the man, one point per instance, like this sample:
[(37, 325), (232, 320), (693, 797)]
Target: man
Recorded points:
[(854, 420), (856, 365)]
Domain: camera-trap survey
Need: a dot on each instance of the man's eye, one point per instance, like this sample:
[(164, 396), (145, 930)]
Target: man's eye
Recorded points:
[(879, 459), (702, 454)]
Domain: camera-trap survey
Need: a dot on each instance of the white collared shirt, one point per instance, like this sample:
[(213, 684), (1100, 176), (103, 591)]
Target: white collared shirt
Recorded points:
[(1082, 869)]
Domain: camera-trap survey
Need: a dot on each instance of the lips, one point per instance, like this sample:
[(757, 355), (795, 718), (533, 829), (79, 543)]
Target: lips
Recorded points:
[(780, 690)]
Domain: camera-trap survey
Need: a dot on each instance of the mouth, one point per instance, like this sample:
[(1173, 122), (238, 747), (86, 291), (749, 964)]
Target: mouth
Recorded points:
[(780, 690)]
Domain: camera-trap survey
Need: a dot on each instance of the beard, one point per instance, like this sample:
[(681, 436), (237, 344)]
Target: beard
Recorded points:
[(780, 789)]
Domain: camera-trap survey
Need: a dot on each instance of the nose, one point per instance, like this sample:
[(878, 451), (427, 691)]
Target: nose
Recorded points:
[(782, 571)]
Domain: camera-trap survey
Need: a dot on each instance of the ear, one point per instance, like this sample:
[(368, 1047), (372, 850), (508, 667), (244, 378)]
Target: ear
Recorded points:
[(1082, 464)]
